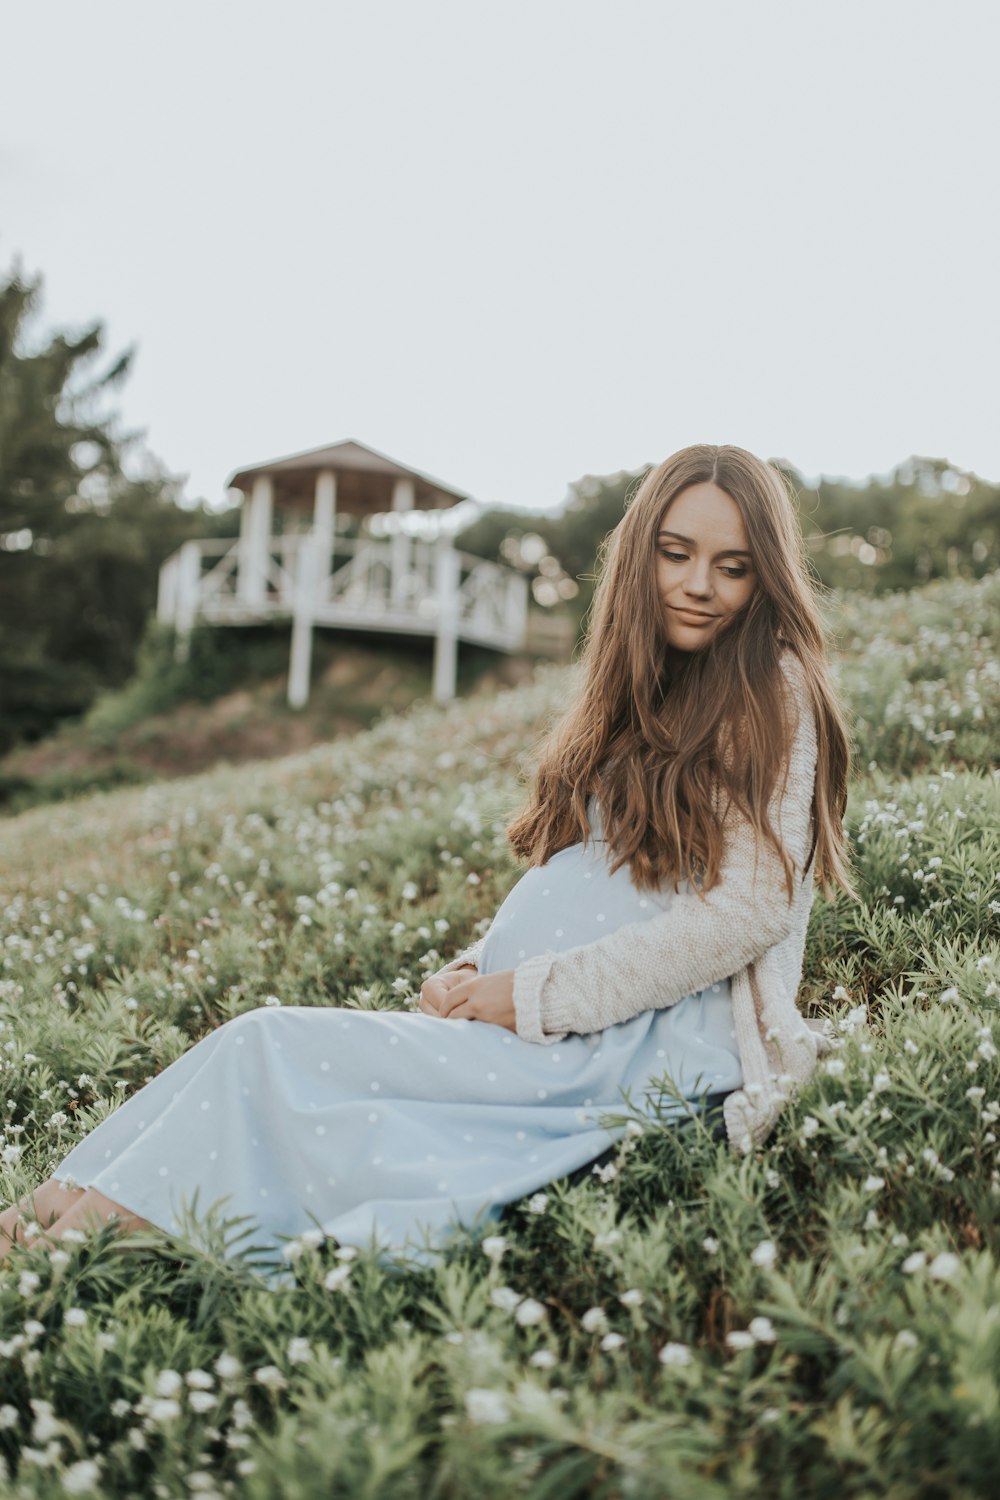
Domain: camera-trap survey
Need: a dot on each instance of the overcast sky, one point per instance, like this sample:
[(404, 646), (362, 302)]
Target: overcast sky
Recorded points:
[(514, 243)]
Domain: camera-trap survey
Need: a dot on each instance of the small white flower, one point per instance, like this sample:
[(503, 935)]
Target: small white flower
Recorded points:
[(944, 1267), (914, 1262), (409, 891), (538, 1203), (505, 1298), (710, 1244), (881, 1082), (740, 1338), (948, 995), (271, 1377), (81, 1476), (202, 1401), (606, 1240), (163, 1409), (612, 1341), (872, 1184), (199, 1380), (762, 1329), (770, 1414), (632, 1298), (594, 1320), (530, 1312), (484, 1405), (810, 1125), (45, 1425), (167, 1383), (494, 1246), (543, 1359), (299, 1350), (337, 1278), (675, 1354), (840, 993), (227, 1366), (74, 1317), (764, 1255), (271, 1000), (9, 1416), (28, 1282), (835, 1066)]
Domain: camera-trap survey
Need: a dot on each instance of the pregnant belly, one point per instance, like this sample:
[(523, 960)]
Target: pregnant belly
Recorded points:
[(572, 899)]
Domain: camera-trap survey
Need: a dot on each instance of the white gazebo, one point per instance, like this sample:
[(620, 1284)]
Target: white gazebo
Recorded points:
[(401, 574)]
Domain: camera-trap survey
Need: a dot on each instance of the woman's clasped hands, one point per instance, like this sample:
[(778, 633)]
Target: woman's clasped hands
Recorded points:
[(466, 995)]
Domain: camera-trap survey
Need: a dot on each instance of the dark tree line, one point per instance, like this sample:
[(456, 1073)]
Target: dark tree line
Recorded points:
[(81, 541)]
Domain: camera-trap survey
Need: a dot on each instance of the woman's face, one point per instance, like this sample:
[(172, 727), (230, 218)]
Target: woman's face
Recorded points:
[(704, 571)]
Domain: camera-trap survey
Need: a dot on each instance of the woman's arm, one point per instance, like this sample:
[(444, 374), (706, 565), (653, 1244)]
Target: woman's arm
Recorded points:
[(696, 941)]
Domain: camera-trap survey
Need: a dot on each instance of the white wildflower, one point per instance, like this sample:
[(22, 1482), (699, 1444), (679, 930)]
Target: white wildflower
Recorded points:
[(538, 1203), (675, 1354), (543, 1359), (612, 1341), (505, 1298), (299, 1350), (81, 1476), (632, 1298), (762, 1329), (810, 1125), (594, 1320), (494, 1246), (914, 1262), (227, 1366), (872, 1184), (337, 1278), (944, 1267), (764, 1255), (484, 1405), (530, 1312), (271, 1377), (710, 1244), (740, 1338), (74, 1317)]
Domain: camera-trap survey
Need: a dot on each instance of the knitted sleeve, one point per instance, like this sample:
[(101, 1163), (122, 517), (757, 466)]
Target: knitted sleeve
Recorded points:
[(696, 941)]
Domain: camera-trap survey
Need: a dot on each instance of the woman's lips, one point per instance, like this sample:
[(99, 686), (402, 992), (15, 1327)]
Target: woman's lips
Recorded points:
[(692, 616)]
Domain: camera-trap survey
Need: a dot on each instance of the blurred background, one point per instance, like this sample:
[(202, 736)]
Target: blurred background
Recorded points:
[(527, 250)]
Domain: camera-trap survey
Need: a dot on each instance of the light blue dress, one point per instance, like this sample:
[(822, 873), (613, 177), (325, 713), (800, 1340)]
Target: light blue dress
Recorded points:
[(387, 1128)]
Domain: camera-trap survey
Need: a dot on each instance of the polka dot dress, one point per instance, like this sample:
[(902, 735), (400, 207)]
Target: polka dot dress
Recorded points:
[(388, 1128)]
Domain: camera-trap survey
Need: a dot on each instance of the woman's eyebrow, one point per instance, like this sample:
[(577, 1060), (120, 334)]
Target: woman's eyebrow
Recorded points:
[(726, 551)]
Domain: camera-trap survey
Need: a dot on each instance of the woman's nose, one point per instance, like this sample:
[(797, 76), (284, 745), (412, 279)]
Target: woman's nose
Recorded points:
[(698, 580)]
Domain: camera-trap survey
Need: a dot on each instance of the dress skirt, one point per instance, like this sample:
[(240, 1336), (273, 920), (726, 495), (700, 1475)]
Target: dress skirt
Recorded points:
[(389, 1128)]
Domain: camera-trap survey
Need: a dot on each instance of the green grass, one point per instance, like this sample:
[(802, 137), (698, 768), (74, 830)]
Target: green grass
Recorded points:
[(855, 1257)]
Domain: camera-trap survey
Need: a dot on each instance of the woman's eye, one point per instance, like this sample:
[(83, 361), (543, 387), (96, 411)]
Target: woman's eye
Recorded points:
[(736, 572), (673, 556)]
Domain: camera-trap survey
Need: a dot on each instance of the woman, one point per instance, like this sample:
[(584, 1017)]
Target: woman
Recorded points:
[(681, 810)]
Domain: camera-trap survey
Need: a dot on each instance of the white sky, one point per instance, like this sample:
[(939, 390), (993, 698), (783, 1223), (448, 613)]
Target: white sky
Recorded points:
[(513, 243)]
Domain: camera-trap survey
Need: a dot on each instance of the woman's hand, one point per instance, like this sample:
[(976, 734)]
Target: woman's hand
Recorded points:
[(466, 995)]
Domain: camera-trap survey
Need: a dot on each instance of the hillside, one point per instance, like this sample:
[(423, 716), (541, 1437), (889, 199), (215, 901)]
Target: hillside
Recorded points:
[(819, 1317)]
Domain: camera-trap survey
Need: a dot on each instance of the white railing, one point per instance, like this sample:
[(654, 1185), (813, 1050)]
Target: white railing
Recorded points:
[(405, 584)]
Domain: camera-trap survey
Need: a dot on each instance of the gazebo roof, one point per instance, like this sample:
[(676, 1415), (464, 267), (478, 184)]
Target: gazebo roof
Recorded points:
[(350, 457)]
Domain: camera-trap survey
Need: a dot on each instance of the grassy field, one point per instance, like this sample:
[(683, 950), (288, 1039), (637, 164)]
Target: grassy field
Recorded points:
[(821, 1318)]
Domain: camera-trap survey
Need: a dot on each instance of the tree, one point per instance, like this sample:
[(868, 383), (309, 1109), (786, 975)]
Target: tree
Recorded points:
[(80, 541)]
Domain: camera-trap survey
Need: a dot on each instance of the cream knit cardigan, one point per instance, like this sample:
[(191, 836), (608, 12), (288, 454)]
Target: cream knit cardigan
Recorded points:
[(744, 929)]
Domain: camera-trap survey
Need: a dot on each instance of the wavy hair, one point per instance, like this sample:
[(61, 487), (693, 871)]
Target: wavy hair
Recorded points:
[(653, 732)]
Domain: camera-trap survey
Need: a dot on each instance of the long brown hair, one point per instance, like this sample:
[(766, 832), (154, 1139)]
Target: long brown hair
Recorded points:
[(651, 736)]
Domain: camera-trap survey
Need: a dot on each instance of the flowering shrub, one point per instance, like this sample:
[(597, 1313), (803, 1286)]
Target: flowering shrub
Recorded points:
[(679, 1320)]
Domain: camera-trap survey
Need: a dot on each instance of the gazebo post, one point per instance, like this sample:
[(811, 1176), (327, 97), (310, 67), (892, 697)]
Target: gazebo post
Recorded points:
[(186, 597), (400, 544), (255, 542), (446, 572), (307, 565), (324, 511)]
